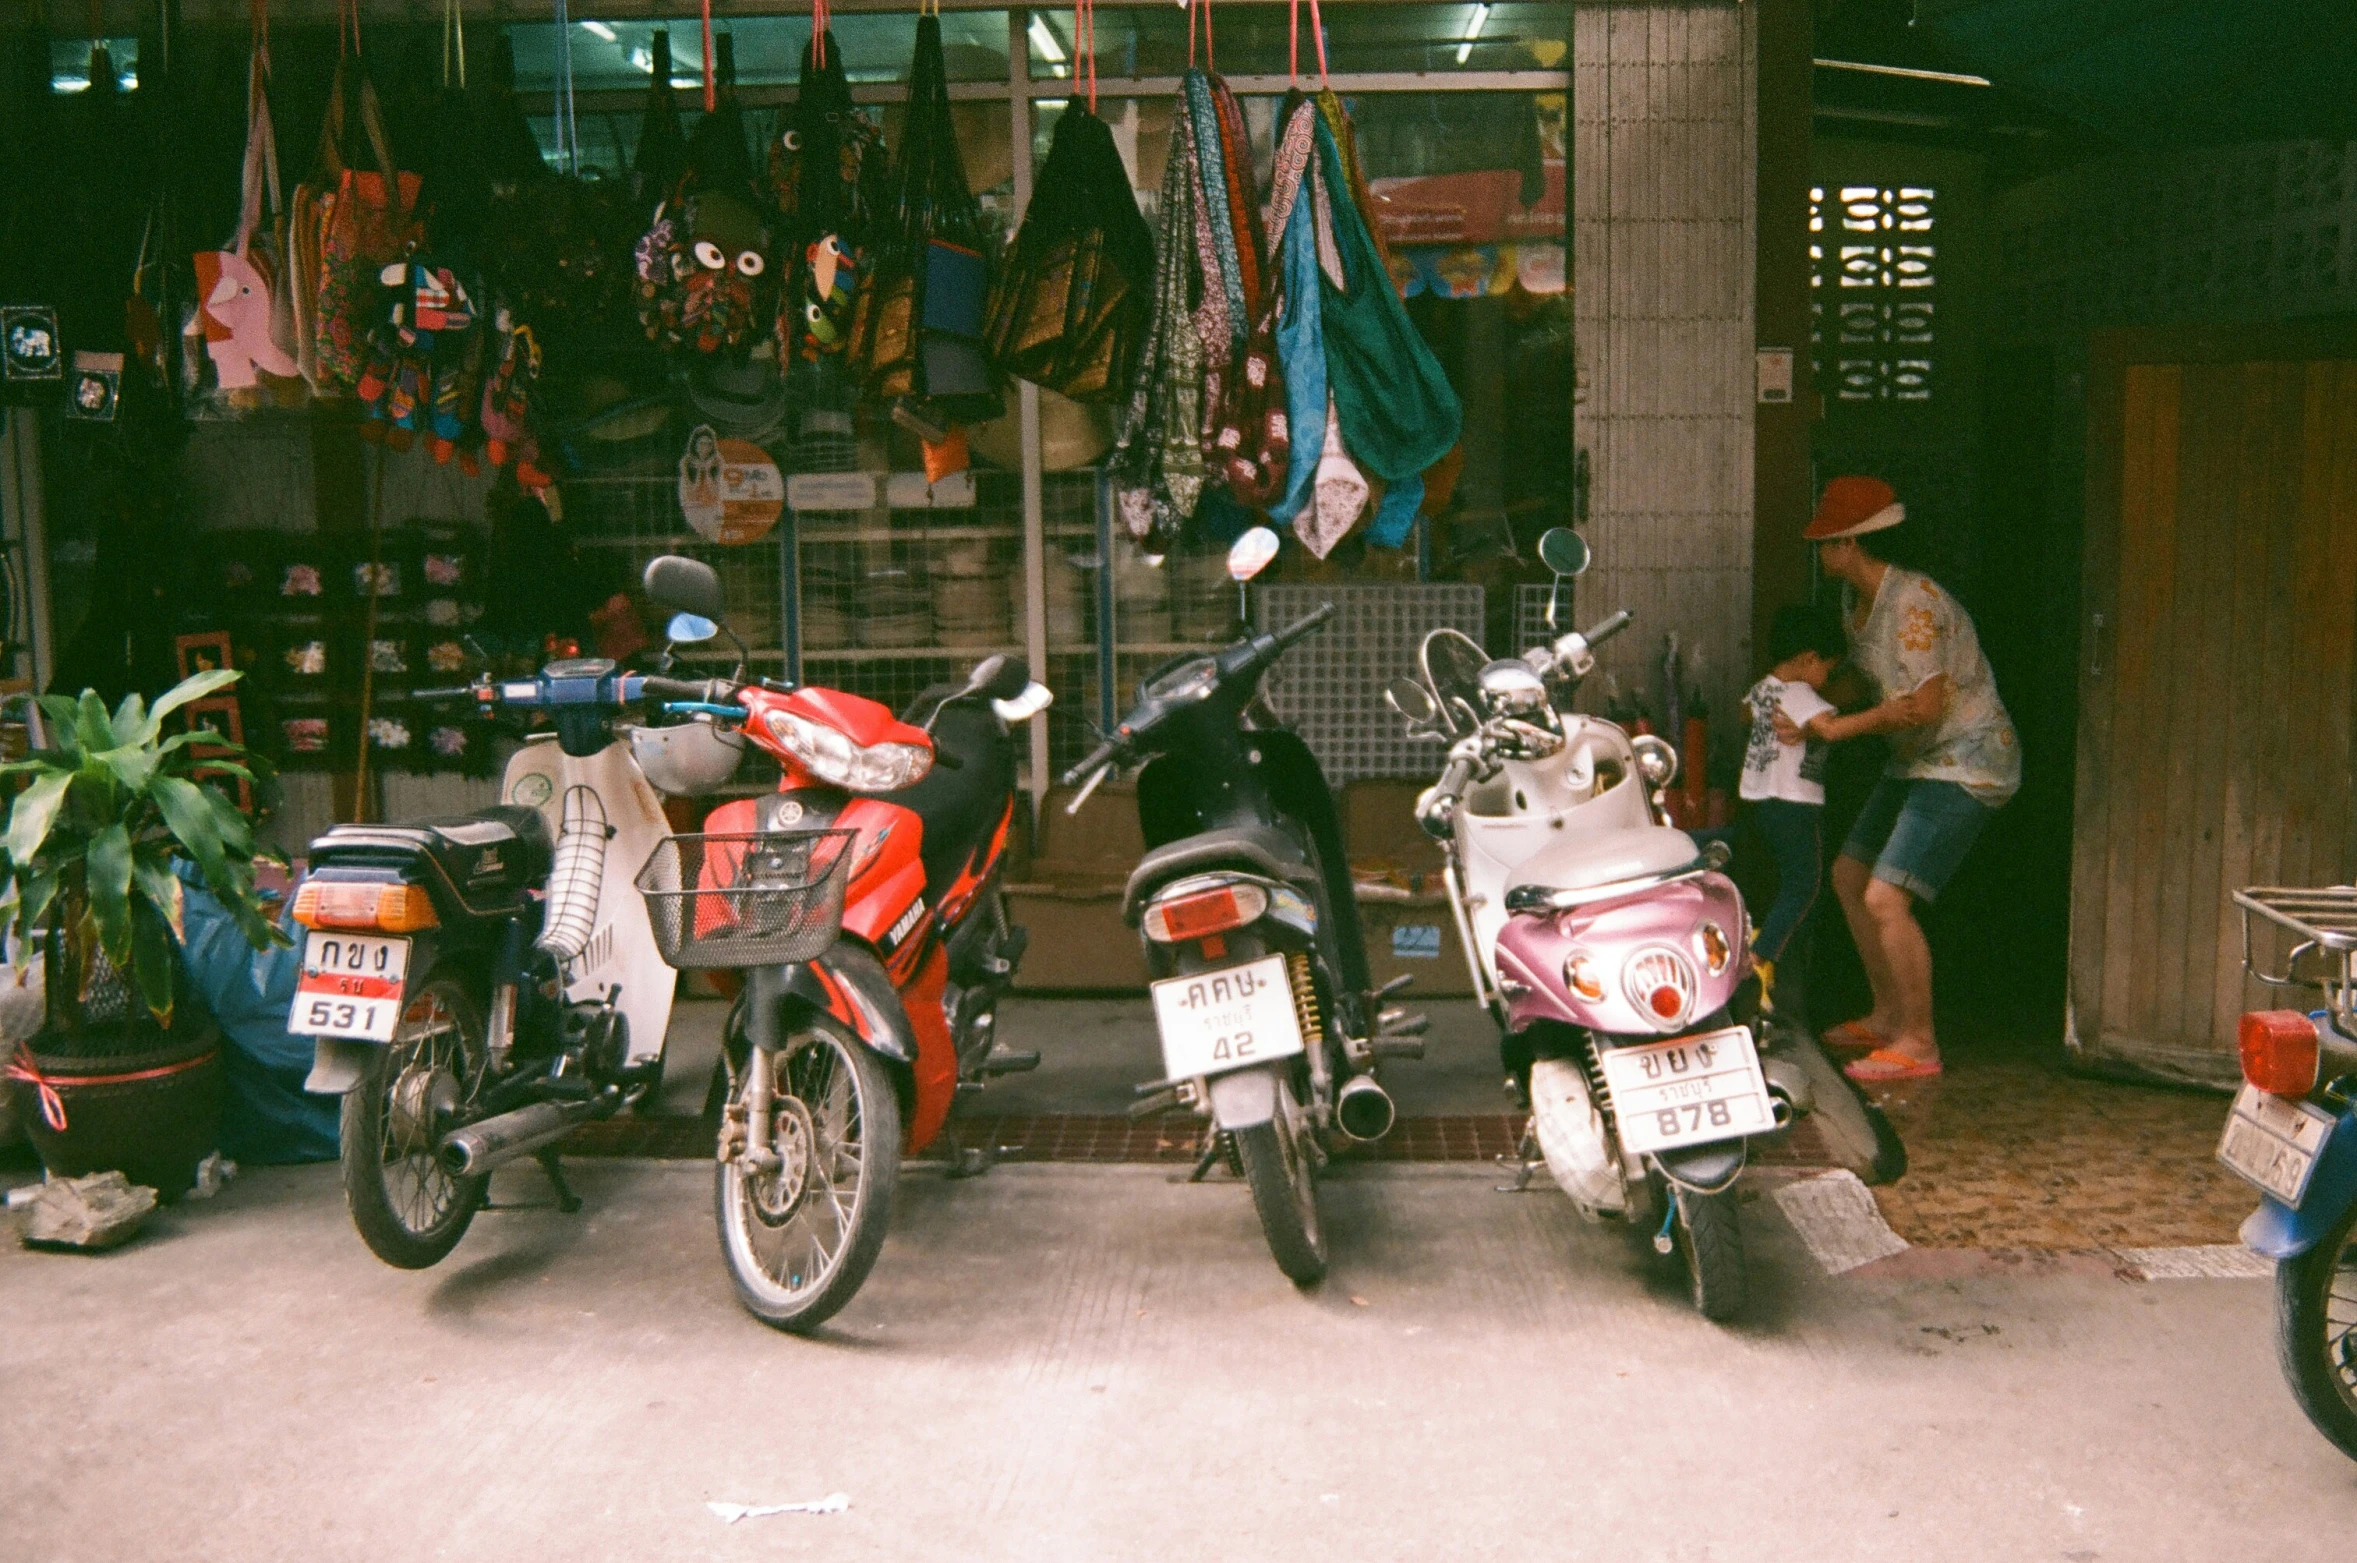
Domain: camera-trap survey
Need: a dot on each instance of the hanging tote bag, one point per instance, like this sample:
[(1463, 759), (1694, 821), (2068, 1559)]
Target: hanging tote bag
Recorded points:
[(239, 288), (827, 188), (368, 221)]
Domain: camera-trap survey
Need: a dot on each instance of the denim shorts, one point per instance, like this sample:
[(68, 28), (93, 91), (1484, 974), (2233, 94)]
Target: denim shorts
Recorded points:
[(1916, 832)]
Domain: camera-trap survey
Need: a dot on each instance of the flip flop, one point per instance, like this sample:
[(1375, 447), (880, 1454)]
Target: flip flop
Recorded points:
[(1887, 1064), (1853, 1036)]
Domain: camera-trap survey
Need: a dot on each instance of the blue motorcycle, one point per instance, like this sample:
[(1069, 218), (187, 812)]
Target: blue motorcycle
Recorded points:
[(2293, 1134)]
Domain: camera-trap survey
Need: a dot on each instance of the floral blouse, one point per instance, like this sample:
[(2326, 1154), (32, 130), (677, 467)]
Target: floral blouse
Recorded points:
[(1912, 632)]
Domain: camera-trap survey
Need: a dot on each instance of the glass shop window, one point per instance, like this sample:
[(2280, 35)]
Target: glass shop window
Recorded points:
[(70, 61)]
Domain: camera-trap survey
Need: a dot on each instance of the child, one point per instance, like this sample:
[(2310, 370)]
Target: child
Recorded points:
[(1785, 783)]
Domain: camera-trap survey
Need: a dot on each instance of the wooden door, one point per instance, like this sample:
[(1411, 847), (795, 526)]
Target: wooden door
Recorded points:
[(2218, 633)]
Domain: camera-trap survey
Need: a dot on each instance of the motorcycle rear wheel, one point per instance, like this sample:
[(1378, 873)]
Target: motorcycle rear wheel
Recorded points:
[(1280, 1170), (410, 1211), (2316, 1331), (800, 1238), (1710, 1238)]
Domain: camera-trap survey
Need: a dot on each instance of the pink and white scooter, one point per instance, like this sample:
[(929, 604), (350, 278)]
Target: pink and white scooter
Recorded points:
[(1607, 945)]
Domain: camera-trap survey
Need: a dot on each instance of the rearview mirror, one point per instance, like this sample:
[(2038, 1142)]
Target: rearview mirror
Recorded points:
[(1251, 554), (686, 629), (1563, 551), (686, 586), (1411, 700)]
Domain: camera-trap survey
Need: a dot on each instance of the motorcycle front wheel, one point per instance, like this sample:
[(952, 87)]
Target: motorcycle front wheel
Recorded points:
[(410, 1211), (1281, 1170), (2316, 1331), (800, 1236)]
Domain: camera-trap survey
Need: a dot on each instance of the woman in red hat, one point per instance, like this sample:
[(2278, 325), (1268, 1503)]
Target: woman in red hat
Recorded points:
[(1954, 761)]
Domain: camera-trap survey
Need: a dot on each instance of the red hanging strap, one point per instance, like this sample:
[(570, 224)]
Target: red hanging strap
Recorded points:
[(1203, 6), (711, 92), (1317, 32), (1084, 45), (818, 32)]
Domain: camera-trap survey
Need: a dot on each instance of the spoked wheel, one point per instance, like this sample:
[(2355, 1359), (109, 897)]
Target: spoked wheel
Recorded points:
[(410, 1211), (801, 1234), (1710, 1239), (2316, 1331), (1280, 1167)]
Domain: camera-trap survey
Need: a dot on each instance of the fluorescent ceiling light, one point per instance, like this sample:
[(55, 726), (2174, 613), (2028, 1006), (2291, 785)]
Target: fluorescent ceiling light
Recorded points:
[(1902, 70), (1473, 27), (1044, 39), (599, 28)]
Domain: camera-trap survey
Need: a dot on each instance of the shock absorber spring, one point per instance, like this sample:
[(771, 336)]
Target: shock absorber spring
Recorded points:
[(1598, 1088), (1305, 997)]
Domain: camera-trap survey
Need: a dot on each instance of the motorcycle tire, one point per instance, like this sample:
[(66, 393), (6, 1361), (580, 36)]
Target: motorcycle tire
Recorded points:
[(1710, 1239), (834, 1111), (2319, 1354), (1279, 1171), (410, 1211)]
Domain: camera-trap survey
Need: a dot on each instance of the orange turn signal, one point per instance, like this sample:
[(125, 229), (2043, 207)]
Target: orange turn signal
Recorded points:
[(385, 908), (2279, 1049)]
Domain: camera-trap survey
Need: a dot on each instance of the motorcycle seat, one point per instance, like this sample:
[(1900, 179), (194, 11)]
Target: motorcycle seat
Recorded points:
[(1259, 849), (960, 806), (1584, 862), (481, 862)]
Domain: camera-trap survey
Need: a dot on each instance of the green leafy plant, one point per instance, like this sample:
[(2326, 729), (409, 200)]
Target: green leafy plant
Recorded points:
[(108, 808)]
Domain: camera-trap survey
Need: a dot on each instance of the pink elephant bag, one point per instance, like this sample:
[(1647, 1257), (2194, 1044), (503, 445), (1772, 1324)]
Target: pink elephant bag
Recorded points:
[(241, 291)]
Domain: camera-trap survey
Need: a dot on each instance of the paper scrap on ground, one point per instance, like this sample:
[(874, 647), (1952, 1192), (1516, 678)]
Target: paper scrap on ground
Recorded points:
[(1837, 1218), (730, 1513), (2208, 1262)]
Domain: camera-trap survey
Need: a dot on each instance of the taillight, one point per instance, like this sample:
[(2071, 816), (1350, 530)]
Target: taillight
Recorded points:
[(1661, 983), (1580, 974), (385, 908), (2279, 1049), (1201, 912)]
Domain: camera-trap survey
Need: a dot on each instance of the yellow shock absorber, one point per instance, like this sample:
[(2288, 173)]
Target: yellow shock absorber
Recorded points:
[(1305, 997)]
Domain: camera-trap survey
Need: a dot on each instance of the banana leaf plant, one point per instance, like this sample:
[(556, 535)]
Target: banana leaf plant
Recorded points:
[(91, 841)]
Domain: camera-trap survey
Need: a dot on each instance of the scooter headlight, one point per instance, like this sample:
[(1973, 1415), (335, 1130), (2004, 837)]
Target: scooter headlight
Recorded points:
[(1710, 943), (837, 761), (1581, 975)]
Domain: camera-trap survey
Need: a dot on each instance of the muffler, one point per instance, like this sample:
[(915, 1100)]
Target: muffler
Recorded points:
[(476, 1149), (1363, 1109), (1789, 1093)]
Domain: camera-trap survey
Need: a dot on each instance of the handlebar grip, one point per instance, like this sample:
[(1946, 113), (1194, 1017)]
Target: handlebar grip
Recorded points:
[(652, 686), (1434, 811), (462, 692), (1610, 627), (1101, 755), (1303, 625)]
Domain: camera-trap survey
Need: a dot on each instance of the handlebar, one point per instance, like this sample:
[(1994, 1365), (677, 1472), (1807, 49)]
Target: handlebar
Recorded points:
[(462, 692), (1102, 755), (1610, 627), (1300, 627), (1435, 811), (703, 690)]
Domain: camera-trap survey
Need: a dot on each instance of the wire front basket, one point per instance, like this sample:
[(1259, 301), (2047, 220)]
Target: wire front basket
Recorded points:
[(765, 899)]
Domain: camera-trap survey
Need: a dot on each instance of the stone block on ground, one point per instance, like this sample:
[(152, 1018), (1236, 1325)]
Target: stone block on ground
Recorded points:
[(103, 1210)]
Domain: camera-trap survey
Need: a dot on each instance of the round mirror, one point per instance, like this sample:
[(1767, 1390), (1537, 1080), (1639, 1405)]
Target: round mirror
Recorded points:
[(686, 629), (1452, 668), (1251, 554), (686, 585), (1563, 551), (1511, 688), (1411, 700)]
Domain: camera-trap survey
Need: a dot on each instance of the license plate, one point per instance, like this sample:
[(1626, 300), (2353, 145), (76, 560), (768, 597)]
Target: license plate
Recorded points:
[(1215, 1021), (350, 987), (2273, 1142), (1690, 1091)]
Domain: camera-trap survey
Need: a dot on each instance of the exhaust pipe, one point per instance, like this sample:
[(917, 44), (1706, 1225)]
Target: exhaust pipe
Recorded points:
[(1789, 1092), (1363, 1110), (479, 1147)]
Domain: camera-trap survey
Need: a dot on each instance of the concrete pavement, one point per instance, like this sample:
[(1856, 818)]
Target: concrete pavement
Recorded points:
[(1096, 1363)]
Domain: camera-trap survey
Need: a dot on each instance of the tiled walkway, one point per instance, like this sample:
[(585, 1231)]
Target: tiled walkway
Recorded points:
[(2017, 1154)]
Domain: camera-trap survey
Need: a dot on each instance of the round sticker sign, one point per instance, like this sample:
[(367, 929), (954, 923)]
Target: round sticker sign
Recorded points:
[(729, 490)]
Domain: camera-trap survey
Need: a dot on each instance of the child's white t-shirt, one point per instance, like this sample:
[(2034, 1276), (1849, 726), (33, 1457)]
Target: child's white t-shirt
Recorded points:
[(1771, 767)]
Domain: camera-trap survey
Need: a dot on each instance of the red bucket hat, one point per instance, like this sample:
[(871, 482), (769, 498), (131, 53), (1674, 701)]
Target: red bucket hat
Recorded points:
[(1852, 506)]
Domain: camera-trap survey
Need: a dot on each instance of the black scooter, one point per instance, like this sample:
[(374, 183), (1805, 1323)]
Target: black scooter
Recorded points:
[(1269, 1022)]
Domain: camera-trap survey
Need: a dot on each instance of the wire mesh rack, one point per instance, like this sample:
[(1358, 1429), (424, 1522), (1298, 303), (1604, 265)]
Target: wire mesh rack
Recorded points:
[(1329, 688)]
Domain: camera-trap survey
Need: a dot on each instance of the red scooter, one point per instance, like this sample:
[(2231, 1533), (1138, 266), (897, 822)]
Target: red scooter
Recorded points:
[(861, 901)]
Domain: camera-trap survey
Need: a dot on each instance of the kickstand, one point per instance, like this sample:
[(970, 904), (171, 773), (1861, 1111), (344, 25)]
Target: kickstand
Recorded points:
[(1208, 1160), (567, 1200), (967, 1161), (1524, 1163)]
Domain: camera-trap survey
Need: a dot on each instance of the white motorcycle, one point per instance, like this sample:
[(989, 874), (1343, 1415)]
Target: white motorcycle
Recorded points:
[(1606, 944)]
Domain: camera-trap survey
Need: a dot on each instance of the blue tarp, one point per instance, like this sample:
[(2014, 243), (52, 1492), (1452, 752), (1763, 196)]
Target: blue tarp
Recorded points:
[(268, 1118)]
